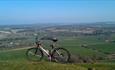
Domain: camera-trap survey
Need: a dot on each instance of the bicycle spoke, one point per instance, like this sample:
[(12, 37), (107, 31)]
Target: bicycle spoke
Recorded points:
[(34, 54), (61, 55)]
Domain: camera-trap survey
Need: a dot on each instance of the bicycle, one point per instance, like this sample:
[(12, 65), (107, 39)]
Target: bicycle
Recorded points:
[(57, 54)]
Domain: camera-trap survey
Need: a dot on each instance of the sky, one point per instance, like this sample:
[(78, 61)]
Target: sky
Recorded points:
[(56, 11)]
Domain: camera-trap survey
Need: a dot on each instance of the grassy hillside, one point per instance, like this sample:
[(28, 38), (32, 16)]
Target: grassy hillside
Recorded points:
[(38, 66), (16, 59), (52, 66)]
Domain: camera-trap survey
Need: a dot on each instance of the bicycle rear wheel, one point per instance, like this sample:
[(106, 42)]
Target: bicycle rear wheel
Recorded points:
[(61, 55), (34, 54)]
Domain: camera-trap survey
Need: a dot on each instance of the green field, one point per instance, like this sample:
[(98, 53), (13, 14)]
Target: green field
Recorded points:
[(16, 59)]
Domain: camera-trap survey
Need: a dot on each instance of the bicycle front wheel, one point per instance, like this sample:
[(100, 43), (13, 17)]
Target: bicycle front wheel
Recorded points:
[(34, 54), (61, 55)]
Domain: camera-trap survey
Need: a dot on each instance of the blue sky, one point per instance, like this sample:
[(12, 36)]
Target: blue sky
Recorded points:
[(52, 11)]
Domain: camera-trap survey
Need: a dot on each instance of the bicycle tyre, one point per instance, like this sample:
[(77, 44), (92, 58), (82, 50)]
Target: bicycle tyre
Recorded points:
[(36, 54), (57, 59)]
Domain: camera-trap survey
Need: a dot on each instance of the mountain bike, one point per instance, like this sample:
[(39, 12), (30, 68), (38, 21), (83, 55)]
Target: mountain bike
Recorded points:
[(57, 54)]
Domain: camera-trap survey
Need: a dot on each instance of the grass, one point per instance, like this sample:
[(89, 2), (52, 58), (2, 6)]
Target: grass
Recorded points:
[(16, 59), (18, 55), (105, 48), (26, 65), (73, 45), (39, 66)]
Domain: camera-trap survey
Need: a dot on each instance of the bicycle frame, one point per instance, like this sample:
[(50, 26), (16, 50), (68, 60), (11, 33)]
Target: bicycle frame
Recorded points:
[(38, 43), (45, 51), (54, 54)]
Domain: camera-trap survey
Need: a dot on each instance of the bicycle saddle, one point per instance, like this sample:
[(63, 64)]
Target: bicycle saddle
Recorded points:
[(54, 39), (50, 38)]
